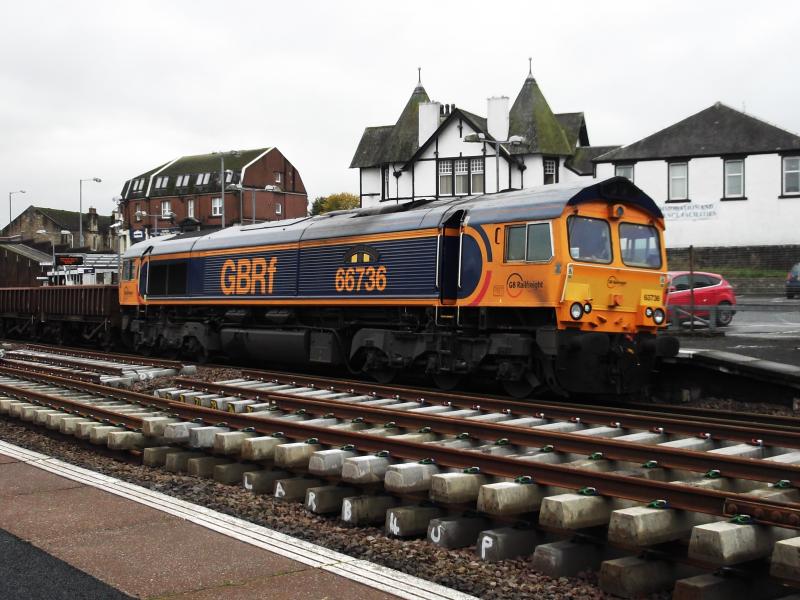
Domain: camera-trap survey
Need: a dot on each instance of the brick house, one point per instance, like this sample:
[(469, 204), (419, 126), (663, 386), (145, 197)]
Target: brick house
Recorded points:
[(184, 194)]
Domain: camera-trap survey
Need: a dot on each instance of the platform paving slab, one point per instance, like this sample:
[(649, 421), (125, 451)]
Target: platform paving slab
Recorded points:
[(456, 532), (498, 544), (366, 510)]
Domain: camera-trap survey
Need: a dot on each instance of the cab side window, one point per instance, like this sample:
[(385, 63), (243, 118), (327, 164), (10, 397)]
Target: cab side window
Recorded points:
[(531, 243), (680, 283), (515, 243)]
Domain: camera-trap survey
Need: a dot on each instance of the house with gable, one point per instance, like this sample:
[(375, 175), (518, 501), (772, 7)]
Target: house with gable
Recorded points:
[(728, 184), (437, 150)]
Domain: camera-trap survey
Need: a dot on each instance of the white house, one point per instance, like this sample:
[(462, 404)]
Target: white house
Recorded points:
[(722, 178), (428, 152)]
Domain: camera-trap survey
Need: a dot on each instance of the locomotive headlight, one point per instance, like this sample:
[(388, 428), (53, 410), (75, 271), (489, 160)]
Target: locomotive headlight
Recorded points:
[(576, 311), (658, 316), (587, 308), (648, 312)]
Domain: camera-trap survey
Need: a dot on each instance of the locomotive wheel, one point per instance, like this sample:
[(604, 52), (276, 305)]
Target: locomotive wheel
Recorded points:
[(446, 381), (518, 389), (383, 376)]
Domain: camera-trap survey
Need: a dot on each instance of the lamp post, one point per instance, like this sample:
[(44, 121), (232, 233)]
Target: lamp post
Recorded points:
[(480, 138), (233, 153), (166, 215), (9, 206), (80, 207), (116, 228)]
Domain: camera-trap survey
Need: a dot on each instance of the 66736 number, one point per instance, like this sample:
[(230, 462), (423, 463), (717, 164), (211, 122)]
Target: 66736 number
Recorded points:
[(350, 279)]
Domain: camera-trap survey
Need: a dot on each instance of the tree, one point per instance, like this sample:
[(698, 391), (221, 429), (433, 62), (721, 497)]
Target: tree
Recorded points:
[(340, 201)]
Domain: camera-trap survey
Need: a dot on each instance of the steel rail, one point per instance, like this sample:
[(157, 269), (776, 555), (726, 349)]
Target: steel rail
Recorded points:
[(23, 364), (676, 496), (73, 362), (134, 359), (609, 448), (709, 416), (737, 431)]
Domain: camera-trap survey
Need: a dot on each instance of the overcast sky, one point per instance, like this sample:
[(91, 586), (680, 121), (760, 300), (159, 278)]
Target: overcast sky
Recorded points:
[(110, 89)]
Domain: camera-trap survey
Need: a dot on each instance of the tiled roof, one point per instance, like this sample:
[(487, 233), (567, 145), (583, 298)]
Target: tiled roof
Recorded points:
[(392, 143), (716, 131), (581, 161), (68, 219), (574, 126), (532, 118)]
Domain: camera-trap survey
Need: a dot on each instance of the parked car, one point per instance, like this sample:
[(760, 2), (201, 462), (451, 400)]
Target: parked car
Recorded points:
[(793, 282), (710, 289)]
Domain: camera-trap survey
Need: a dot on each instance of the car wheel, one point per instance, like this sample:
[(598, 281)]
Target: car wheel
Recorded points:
[(724, 314)]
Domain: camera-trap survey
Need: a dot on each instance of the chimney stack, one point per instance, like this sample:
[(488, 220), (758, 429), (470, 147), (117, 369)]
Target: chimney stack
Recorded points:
[(428, 120), (497, 117)]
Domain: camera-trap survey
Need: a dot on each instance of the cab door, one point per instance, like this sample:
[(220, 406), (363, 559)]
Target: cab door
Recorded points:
[(449, 263)]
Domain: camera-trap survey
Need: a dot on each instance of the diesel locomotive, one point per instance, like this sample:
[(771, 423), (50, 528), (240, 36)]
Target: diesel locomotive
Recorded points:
[(560, 287)]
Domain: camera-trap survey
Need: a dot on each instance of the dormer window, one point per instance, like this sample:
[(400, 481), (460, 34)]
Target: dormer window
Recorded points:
[(182, 181), (202, 179), (138, 185), (162, 182)]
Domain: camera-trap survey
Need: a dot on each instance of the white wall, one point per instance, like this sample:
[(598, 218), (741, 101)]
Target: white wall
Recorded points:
[(762, 219), (370, 184)]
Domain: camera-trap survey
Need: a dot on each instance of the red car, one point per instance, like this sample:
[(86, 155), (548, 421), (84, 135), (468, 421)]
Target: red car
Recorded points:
[(710, 289)]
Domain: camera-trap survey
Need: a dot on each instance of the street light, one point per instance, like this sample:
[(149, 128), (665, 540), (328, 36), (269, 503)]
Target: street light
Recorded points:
[(164, 215), (80, 206), (233, 153), (9, 206), (514, 140)]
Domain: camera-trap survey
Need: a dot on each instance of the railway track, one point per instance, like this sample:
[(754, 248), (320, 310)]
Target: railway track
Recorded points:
[(640, 480)]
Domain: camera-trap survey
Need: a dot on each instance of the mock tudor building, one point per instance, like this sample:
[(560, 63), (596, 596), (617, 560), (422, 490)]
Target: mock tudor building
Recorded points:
[(436, 150), (724, 180), (184, 194)]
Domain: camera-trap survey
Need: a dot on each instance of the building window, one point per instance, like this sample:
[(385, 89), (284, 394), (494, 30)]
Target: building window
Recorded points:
[(166, 209), (138, 213), (734, 178), (190, 208), (791, 175), (625, 171), (550, 171), (278, 176), (202, 179), (278, 208), (161, 182), (386, 183), (446, 178), (462, 176), (138, 185), (678, 181), (216, 207), (228, 176), (182, 181), (476, 169)]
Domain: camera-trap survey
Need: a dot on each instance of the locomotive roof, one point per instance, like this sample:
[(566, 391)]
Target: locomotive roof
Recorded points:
[(546, 202)]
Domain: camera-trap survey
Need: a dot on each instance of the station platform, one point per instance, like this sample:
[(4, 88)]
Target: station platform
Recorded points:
[(68, 532)]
